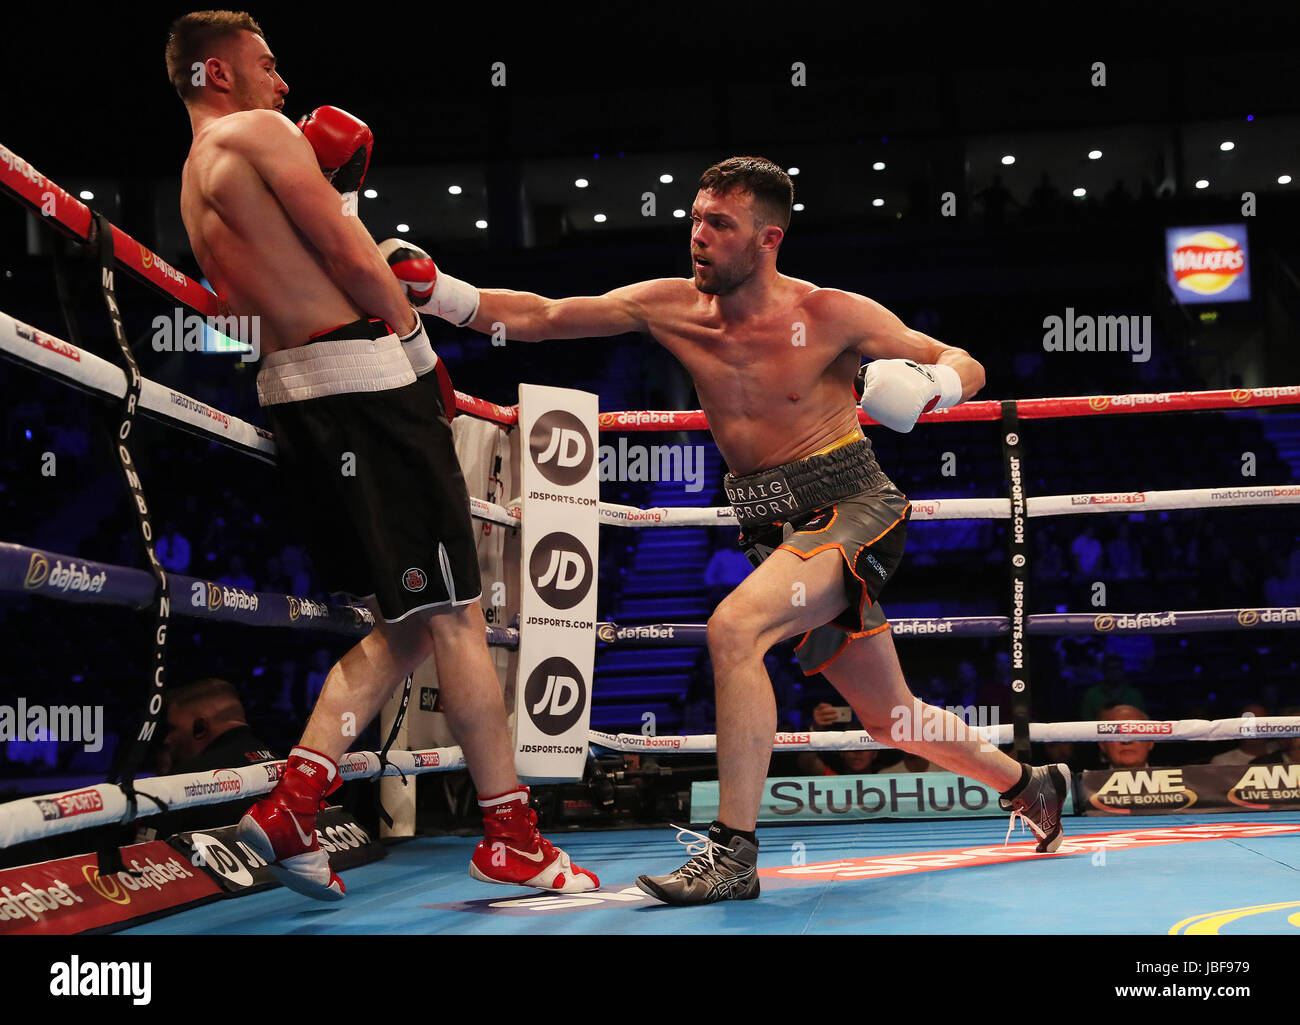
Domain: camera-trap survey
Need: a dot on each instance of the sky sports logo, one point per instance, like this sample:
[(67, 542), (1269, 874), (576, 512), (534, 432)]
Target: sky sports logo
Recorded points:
[(1139, 728)]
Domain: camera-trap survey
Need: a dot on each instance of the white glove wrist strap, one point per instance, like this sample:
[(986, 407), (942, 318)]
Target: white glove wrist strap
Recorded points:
[(949, 382), (453, 300), (419, 353)]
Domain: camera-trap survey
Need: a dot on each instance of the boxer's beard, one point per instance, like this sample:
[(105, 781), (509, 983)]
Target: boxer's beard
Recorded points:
[(727, 278), (247, 97)]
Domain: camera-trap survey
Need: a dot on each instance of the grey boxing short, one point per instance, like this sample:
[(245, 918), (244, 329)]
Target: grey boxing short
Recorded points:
[(839, 501), (369, 471)]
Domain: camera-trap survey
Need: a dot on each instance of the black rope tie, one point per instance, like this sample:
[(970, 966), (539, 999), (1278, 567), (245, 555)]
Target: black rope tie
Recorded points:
[(131, 755), (383, 754)]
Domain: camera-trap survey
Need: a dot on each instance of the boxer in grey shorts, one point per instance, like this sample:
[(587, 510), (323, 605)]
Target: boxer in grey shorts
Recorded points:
[(867, 525)]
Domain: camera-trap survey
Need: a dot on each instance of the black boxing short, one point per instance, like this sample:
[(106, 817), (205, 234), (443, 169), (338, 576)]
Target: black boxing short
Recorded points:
[(369, 471), (841, 501)]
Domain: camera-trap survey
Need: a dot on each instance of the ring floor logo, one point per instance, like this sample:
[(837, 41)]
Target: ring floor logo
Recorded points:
[(555, 695), (561, 447), (1271, 918), (561, 570), (885, 865)]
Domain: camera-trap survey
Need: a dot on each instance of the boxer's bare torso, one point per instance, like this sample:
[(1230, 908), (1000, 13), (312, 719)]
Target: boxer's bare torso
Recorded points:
[(778, 384), (257, 261)]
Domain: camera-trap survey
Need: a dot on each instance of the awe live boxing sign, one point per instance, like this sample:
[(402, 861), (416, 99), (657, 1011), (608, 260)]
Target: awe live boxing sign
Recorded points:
[(557, 631)]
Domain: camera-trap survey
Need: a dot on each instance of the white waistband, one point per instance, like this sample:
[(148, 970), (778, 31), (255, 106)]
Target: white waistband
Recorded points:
[(333, 368)]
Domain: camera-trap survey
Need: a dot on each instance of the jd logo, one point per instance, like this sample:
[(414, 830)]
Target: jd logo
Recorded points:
[(555, 695), (561, 447), (561, 570)]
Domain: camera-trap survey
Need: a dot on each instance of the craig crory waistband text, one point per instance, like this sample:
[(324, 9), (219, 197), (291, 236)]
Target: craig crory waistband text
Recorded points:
[(81, 724)]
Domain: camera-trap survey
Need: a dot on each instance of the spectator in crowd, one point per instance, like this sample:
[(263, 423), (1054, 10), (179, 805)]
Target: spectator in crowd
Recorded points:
[(1249, 748), (910, 763), (1124, 754), (1112, 690), (321, 662), (1087, 553), (1056, 751), (237, 575), (172, 549), (1282, 589), (207, 729), (1123, 555), (826, 716), (725, 570), (1288, 752)]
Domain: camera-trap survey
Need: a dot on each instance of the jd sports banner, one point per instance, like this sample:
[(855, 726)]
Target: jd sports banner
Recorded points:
[(557, 646)]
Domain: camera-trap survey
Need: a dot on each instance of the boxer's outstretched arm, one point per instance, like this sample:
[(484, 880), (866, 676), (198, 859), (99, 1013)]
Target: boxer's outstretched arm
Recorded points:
[(533, 318), (873, 331)]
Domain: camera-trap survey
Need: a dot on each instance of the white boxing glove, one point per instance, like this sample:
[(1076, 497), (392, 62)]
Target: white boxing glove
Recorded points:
[(895, 392), (429, 289)]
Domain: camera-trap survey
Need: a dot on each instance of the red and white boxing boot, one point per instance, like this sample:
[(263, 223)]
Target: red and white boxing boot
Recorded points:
[(281, 827), (513, 852)]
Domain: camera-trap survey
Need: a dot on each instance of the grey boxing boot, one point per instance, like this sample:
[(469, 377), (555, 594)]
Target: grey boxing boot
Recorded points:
[(1037, 801), (715, 872)]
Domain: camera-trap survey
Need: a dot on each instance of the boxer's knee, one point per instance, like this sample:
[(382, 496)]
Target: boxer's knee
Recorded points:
[(458, 626), (737, 631), (409, 642)]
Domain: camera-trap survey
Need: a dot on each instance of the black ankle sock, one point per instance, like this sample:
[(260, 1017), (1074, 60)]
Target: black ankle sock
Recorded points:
[(720, 833), (1024, 778)]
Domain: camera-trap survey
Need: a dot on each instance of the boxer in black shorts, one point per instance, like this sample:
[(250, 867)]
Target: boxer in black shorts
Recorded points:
[(370, 476), (363, 442)]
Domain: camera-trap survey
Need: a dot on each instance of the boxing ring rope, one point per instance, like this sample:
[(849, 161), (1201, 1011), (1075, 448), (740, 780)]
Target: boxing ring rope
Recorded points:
[(32, 818), (23, 819)]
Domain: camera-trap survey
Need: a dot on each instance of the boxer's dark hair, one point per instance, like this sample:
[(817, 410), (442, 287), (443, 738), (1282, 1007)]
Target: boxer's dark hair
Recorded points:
[(771, 187), (191, 36)]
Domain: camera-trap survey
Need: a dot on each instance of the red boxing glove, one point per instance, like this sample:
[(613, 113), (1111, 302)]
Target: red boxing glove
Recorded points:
[(429, 289), (342, 145), (444, 386)]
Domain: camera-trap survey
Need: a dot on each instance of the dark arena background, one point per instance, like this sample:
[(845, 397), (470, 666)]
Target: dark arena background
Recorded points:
[(1022, 182)]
